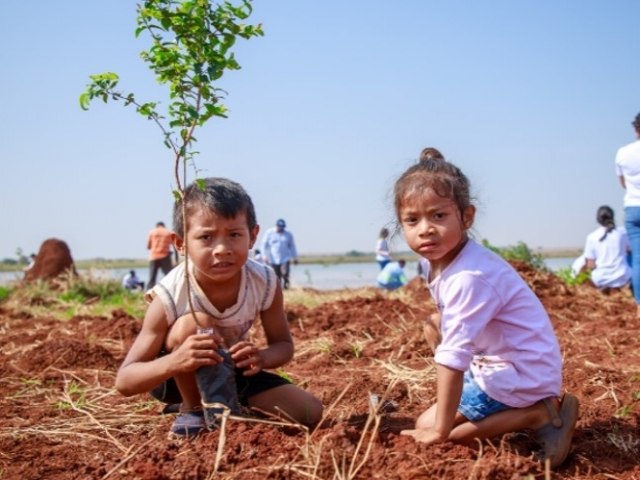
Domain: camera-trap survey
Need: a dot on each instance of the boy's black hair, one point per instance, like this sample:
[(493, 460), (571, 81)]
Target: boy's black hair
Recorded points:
[(221, 195)]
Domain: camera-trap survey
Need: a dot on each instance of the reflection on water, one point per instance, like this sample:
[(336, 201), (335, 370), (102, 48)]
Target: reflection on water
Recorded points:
[(312, 275)]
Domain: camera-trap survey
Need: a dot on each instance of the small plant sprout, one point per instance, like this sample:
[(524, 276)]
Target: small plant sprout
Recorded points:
[(191, 49), (569, 277), (324, 345), (356, 348), (29, 385), (74, 396), (519, 252)]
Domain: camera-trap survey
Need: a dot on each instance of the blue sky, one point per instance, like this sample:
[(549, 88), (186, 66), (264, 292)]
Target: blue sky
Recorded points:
[(530, 98)]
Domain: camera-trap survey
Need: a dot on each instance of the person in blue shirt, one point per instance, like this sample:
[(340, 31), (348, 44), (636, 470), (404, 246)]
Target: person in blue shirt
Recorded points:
[(279, 250), (392, 276)]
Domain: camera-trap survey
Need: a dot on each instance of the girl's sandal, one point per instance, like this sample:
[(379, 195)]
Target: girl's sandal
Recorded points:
[(555, 437)]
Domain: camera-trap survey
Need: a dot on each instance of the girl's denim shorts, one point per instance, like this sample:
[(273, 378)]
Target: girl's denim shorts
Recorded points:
[(474, 403)]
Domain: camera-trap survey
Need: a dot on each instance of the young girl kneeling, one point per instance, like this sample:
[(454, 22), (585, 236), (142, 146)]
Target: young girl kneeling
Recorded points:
[(499, 367)]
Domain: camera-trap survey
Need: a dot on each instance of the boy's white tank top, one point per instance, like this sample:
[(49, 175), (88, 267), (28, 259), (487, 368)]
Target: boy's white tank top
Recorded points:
[(256, 293)]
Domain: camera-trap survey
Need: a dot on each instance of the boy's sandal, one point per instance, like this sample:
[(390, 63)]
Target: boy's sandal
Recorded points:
[(555, 437), (188, 424)]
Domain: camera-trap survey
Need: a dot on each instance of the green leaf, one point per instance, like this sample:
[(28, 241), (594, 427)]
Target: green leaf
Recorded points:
[(200, 182), (85, 100)]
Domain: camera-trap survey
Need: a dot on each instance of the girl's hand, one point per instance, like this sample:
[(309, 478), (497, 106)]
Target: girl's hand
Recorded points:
[(246, 355), (427, 436), (197, 351)]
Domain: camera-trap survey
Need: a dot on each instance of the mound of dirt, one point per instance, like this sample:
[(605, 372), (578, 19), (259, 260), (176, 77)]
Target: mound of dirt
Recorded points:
[(53, 259)]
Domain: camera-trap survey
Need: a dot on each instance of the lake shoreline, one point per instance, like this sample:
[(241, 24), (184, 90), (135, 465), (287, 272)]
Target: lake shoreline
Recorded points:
[(325, 259)]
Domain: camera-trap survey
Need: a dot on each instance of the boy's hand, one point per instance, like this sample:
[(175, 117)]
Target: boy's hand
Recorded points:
[(197, 351), (246, 355)]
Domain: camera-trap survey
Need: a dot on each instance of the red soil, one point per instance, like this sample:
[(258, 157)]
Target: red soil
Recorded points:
[(63, 420)]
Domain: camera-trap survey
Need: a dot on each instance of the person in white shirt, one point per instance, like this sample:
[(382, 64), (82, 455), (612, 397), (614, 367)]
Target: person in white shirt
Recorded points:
[(279, 250), (132, 282), (628, 171), (498, 364), (605, 252), (383, 256)]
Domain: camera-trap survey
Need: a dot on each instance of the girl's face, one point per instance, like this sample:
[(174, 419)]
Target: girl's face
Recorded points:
[(218, 246), (434, 227)]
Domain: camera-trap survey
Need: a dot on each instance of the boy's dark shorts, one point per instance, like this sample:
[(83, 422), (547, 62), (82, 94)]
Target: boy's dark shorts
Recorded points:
[(247, 387)]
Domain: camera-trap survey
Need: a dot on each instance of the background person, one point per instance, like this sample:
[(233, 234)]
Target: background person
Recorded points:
[(393, 276), (628, 171), (32, 262), (160, 245), (605, 252), (132, 282), (258, 257), (498, 365), (279, 249), (383, 254)]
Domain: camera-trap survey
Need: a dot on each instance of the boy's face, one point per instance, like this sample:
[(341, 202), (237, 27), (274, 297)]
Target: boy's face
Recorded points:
[(218, 247)]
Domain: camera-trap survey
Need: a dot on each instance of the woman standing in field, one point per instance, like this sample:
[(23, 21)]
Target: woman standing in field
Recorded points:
[(628, 170), (499, 367)]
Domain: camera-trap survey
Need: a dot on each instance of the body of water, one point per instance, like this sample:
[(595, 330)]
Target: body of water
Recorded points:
[(312, 275)]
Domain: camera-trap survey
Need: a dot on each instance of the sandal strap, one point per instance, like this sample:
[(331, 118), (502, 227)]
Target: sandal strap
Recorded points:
[(556, 421)]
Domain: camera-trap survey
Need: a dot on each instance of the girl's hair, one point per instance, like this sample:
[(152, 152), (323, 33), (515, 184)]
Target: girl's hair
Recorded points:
[(384, 232), (430, 152), (220, 195), (605, 218), (442, 177)]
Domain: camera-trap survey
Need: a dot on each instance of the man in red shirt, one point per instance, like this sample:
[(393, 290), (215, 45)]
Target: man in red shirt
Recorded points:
[(160, 244)]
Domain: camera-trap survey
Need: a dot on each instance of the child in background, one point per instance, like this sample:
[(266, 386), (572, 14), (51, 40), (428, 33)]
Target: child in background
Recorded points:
[(606, 251), (498, 364), (229, 291), (383, 256), (392, 276)]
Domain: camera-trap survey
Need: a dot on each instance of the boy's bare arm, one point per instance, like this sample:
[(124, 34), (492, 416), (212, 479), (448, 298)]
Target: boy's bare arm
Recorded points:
[(142, 369)]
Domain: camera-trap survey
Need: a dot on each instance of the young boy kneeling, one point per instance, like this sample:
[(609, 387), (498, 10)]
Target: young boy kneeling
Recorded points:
[(210, 357)]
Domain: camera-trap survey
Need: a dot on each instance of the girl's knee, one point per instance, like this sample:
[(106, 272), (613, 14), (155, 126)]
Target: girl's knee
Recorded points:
[(424, 423), (427, 419)]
